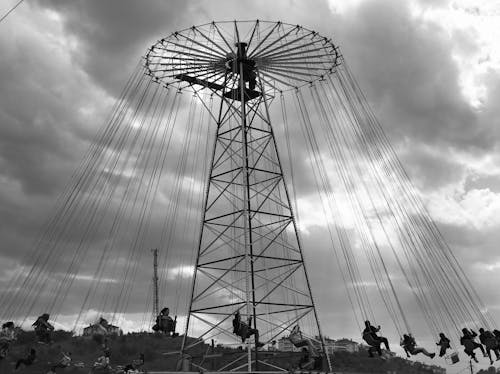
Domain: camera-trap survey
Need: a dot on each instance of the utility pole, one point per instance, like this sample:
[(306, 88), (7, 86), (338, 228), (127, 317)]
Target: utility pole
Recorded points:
[(156, 310), (471, 367)]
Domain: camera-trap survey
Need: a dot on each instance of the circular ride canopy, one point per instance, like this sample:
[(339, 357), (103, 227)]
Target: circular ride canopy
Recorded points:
[(283, 56)]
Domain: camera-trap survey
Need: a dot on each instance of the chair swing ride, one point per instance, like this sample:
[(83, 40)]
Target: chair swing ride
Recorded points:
[(197, 131)]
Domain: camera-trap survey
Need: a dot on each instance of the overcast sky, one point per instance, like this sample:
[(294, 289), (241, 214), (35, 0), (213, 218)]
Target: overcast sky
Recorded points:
[(430, 70)]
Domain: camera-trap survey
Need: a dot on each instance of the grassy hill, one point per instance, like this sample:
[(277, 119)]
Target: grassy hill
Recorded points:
[(128, 347)]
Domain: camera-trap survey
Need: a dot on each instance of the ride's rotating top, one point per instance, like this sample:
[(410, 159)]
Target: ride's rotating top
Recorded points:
[(242, 56)]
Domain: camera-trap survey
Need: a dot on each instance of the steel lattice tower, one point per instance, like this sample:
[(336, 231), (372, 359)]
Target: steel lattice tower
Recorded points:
[(156, 298), (249, 256)]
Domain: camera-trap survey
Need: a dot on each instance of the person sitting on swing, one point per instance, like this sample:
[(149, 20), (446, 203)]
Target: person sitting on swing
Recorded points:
[(444, 343), (43, 328), (165, 323), (373, 340), (299, 341), (410, 346), (490, 342), (7, 335), (311, 353), (467, 340), (245, 330)]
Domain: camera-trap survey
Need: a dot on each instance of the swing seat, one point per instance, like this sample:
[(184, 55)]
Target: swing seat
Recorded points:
[(452, 358)]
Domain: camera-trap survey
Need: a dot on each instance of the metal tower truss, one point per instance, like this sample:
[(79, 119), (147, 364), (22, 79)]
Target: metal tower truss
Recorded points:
[(249, 257), (249, 252)]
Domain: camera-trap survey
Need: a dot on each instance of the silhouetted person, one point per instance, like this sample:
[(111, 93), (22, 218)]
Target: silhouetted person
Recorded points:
[(373, 340), (467, 340), (43, 328), (300, 341), (165, 323), (245, 330), (443, 343), (490, 342), (410, 346)]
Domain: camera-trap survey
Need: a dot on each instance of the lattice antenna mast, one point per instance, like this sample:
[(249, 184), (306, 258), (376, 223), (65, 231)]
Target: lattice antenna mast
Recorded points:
[(156, 299), (249, 257)]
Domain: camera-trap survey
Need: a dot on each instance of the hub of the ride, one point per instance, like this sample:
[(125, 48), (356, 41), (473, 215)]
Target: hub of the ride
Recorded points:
[(229, 58)]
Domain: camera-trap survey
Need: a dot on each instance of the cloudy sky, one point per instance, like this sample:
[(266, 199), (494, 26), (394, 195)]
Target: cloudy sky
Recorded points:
[(430, 70)]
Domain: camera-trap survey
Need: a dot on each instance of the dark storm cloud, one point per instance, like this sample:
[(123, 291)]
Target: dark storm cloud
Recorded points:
[(33, 131), (406, 69), (113, 35)]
